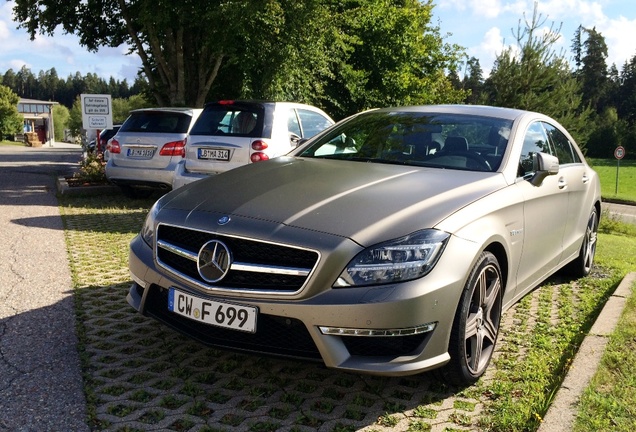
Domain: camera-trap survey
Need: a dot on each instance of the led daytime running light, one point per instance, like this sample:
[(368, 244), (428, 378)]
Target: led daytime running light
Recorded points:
[(409, 331)]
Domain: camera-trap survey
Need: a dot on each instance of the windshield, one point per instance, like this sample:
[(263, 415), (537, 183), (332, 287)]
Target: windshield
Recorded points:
[(454, 141)]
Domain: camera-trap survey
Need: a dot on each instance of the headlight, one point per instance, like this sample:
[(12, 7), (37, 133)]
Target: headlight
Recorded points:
[(398, 260), (148, 229)]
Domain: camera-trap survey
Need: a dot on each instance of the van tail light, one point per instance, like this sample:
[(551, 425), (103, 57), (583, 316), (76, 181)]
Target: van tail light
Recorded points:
[(259, 145), (113, 147), (258, 157), (174, 148)]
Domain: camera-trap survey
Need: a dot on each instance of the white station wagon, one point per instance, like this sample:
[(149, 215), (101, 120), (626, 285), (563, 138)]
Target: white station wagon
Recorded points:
[(229, 134)]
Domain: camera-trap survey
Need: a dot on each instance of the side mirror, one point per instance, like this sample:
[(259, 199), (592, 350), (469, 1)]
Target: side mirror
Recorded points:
[(294, 139), (544, 165)]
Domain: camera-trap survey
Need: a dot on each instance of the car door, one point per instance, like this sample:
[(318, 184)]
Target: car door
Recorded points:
[(545, 212), (576, 181)]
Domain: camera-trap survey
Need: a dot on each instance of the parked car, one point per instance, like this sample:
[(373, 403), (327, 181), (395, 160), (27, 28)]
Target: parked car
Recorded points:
[(146, 149), (369, 247), (104, 136), (229, 134)]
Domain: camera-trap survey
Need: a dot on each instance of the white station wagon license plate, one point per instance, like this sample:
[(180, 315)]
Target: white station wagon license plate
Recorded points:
[(220, 314), (214, 154), (140, 153)]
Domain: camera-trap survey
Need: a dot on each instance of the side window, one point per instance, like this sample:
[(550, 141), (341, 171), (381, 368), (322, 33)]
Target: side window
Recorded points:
[(535, 141), (562, 146), (293, 125), (312, 122)]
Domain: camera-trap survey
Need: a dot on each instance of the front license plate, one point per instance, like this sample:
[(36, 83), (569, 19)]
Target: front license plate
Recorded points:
[(220, 314), (214, 154), (140, 153)]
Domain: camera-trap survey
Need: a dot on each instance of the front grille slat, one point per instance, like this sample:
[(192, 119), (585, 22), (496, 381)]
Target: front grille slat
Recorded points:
[(259, 266)]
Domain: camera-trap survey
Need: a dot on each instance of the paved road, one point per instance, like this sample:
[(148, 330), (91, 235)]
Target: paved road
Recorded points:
[(40, 382), (625, 213)]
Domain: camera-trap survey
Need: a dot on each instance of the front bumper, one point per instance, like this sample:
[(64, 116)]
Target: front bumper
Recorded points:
[(292, 327)]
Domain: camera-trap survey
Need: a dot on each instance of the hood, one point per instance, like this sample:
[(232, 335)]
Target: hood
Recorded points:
[(366, 202)]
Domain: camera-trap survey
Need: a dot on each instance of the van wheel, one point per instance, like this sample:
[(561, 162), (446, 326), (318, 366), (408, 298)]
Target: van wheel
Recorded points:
[(476, 324)]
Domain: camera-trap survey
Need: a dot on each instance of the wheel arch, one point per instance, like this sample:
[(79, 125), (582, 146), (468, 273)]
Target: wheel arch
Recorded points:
[(499, 251)]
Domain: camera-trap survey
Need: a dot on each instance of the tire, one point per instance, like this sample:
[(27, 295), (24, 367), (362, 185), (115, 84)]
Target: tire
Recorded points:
[(582, 265), (476, 324)]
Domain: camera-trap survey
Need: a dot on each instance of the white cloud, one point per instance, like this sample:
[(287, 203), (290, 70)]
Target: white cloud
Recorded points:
[(620, 37)]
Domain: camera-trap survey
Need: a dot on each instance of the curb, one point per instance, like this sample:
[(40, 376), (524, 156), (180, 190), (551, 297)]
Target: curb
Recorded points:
[(64, 189), (563, 410)]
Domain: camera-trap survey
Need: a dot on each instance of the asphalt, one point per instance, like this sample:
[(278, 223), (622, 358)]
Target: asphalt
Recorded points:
[(41, 386)]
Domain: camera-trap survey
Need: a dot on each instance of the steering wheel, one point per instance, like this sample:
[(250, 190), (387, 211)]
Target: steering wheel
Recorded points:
[(482, 163)]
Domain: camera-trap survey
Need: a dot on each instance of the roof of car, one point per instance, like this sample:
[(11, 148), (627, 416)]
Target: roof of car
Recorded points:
[(480, 110), (167, 109)]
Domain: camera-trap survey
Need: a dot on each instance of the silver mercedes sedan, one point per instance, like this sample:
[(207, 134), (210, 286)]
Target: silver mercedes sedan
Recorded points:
[(389, 244)]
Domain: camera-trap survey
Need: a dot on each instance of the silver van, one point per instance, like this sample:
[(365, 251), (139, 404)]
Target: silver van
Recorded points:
[(146, 149)]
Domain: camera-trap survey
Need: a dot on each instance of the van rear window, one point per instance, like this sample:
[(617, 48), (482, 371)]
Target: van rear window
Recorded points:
[(230, 120), (157, 122)]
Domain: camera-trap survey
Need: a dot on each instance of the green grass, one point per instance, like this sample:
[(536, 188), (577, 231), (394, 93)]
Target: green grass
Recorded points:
[(11, 143), (609, 403), (606, 169)]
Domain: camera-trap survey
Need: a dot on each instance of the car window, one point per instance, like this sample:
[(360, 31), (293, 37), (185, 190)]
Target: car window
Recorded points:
[(562, 146), (412, 138), (233, 120), (535, 141), (293, 125), (312, 122), (157, 122)]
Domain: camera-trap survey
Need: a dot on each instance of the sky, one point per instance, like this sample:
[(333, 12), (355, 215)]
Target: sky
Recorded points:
[(482, 27)]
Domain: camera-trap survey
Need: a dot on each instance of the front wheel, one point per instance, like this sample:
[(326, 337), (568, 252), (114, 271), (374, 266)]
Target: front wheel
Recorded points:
[(476, 324)]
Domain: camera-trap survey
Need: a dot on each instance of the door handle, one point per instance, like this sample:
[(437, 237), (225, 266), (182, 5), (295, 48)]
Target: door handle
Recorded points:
[(562, 184), (586, 178)]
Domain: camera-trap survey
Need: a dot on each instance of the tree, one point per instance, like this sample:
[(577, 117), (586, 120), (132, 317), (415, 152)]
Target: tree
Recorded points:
[(627, 92), (389, 54), (11, 121), (123, 106), (181, 43), (61, 117), (346, 55), (473, 81), (534, 77), (593, 72)]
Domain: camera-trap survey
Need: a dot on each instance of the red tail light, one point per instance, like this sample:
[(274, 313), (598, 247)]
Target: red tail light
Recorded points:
[(259, 145), (258, 157), (174, 148), (114, 147)]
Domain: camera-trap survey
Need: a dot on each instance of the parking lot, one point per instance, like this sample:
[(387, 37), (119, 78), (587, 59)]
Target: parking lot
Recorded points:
[(122, 371)]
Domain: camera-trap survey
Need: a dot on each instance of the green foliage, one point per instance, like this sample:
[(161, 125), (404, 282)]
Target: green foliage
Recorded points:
[(534, 77), (123, 106), (75, 119), (61, 117), (343, 56), (390, 55), (10, 119)]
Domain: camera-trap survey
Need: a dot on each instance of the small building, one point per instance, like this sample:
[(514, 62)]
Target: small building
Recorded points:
[(38, 118)]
